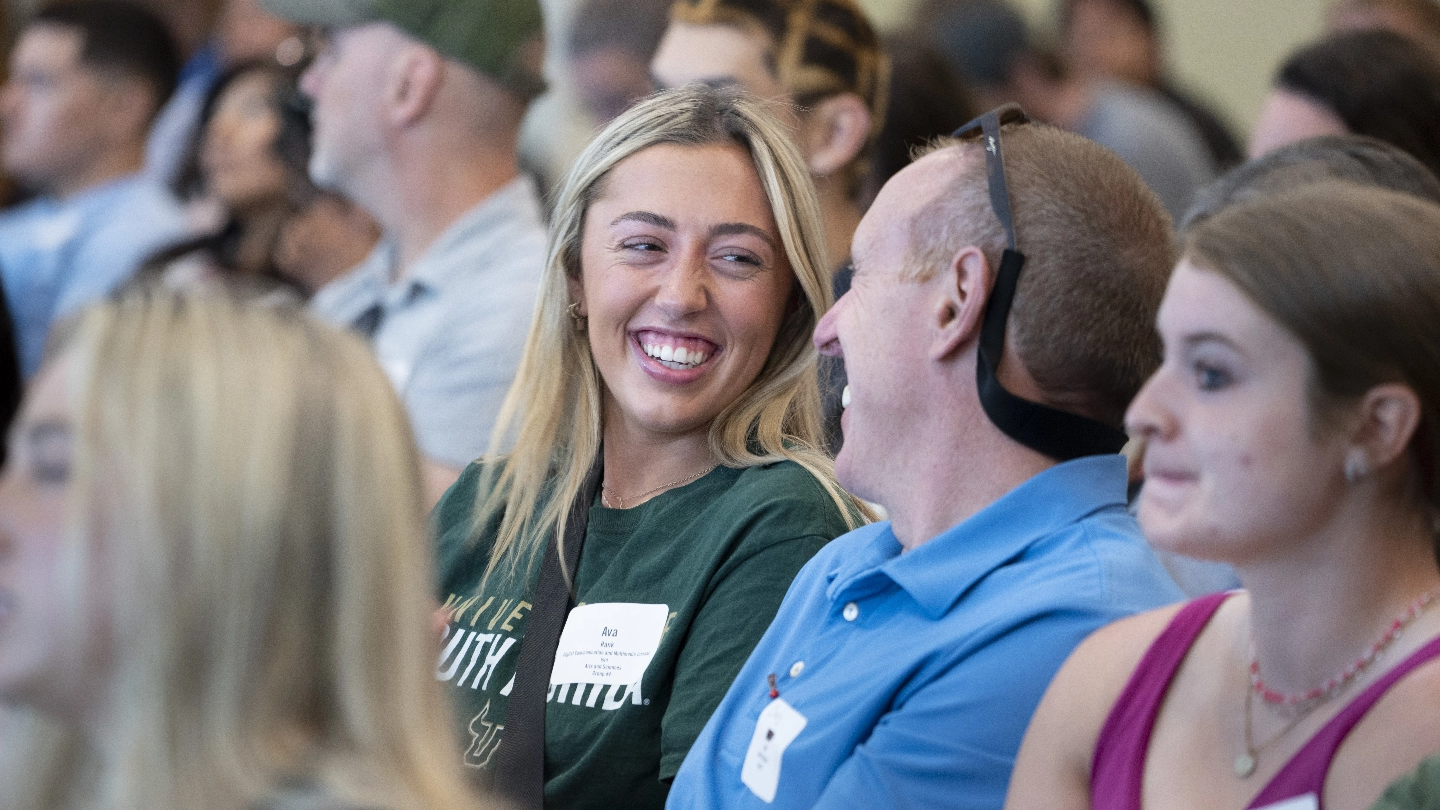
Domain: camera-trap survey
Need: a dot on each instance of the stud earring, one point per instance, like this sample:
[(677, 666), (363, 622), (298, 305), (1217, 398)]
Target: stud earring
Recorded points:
[(1355, 468), (577, 320)]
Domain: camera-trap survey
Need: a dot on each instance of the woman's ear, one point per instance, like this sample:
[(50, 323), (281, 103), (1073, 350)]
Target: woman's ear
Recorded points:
[(1386, 420), (834, 132), (576, 289), (963, 289)]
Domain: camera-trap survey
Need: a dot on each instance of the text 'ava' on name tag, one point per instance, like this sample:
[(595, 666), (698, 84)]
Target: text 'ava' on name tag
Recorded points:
[(777, 727), (1307, 802), (609, 642)]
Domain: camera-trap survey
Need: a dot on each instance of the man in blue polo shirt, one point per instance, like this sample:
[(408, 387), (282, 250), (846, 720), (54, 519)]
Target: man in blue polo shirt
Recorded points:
[(908, 656)]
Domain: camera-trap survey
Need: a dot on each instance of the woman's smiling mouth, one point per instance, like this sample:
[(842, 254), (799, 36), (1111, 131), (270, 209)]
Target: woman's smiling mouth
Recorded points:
[(673, 351)]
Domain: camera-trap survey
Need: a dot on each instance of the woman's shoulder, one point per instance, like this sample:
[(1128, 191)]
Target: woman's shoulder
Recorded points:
[(457, 506), (785, 487)]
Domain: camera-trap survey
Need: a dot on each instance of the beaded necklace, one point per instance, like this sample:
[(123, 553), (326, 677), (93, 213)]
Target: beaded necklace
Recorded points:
[(1303, 703), (1330, 687)]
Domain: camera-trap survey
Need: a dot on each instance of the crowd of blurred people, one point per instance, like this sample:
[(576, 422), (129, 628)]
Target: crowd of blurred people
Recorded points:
[(952, 416)]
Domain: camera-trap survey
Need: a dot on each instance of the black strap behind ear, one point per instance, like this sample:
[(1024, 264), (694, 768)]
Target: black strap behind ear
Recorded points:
[(1058, 434)]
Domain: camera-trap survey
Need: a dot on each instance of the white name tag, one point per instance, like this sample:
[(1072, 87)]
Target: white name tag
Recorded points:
[(1307, 802), (610, 642), (777, 727)]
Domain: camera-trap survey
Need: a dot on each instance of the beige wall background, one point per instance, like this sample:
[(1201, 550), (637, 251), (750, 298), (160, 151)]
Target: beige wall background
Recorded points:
[(1226, 50)]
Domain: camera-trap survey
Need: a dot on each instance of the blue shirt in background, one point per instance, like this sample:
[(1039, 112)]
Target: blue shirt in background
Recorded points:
[(917, 672), (59, 255)]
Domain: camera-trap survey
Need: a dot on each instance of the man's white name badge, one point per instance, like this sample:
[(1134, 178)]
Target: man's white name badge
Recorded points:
[(1307, 802), (777, 727), (609, 642)]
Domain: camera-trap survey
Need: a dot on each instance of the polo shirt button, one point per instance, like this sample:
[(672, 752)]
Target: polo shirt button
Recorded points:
[(851, 611), (797, 668)]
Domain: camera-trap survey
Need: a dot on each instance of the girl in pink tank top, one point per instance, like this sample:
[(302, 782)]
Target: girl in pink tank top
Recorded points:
[(1293, 430)]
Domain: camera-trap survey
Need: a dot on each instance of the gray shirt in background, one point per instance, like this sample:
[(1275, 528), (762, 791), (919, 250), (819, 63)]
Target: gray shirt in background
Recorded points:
[(1154, 138), (450, 334)]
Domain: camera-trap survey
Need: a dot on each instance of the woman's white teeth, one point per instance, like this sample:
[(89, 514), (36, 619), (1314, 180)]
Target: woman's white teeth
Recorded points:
[(676, 357), (845, 397)]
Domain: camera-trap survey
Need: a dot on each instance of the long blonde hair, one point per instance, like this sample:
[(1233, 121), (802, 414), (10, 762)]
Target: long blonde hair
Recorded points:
[(246, 494), (554, 407)]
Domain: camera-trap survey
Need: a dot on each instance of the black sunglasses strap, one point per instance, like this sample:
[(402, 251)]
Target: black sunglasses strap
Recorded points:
[(1057, 434), (520, 762)]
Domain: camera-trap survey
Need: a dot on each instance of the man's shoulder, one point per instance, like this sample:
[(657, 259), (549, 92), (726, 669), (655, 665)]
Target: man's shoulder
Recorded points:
[(138, 199), (503, 237), (1100, 565), (840, 554)]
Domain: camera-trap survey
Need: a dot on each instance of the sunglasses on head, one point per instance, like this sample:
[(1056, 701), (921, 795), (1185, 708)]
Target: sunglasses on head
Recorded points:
[(1058, 434)]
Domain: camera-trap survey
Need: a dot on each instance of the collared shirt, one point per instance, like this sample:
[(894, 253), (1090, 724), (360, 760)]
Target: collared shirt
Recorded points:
[(917, 672), (58, 255), (450, 333)]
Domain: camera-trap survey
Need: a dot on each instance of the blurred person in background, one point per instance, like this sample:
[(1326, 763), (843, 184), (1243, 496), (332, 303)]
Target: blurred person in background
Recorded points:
[(324, 237), (1352, 158), (992, 45), (822, 61), (1374, 82), (928, 99), (417, 111), (214, 40), (214, 573), (1416, 19), (669, 447), (251, 161), (86, 79), (610, 47), (1120, 40)]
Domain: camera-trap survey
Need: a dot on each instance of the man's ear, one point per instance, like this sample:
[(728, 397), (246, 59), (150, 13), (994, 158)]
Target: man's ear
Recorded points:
[(834, 132), (414, 81), (962, 290)]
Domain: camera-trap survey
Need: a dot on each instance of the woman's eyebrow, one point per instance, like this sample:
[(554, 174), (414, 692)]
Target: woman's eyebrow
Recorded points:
[(737, 228), (1195, 340), (646, 217)]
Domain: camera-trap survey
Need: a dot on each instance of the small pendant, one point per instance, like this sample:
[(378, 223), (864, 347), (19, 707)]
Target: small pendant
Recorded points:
[(1244, 765)]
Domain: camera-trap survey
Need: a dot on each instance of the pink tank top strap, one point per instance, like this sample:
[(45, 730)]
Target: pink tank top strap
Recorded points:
[(1306, 771), (1117, 772)]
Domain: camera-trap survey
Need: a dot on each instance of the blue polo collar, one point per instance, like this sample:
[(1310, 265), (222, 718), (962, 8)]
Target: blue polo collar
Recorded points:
[(939, 572)]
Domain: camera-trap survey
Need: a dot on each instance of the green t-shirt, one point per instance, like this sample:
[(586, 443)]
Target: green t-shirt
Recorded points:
[(720, 553)]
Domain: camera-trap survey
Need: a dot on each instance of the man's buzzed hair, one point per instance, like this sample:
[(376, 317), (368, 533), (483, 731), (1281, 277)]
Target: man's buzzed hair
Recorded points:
[(1098, 249)]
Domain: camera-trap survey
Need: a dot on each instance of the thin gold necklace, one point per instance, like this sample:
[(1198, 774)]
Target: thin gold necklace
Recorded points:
[(1246, 762), (620, 502)]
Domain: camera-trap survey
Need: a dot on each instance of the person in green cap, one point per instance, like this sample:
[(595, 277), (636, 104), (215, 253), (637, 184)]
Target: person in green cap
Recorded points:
[(417, 111)]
